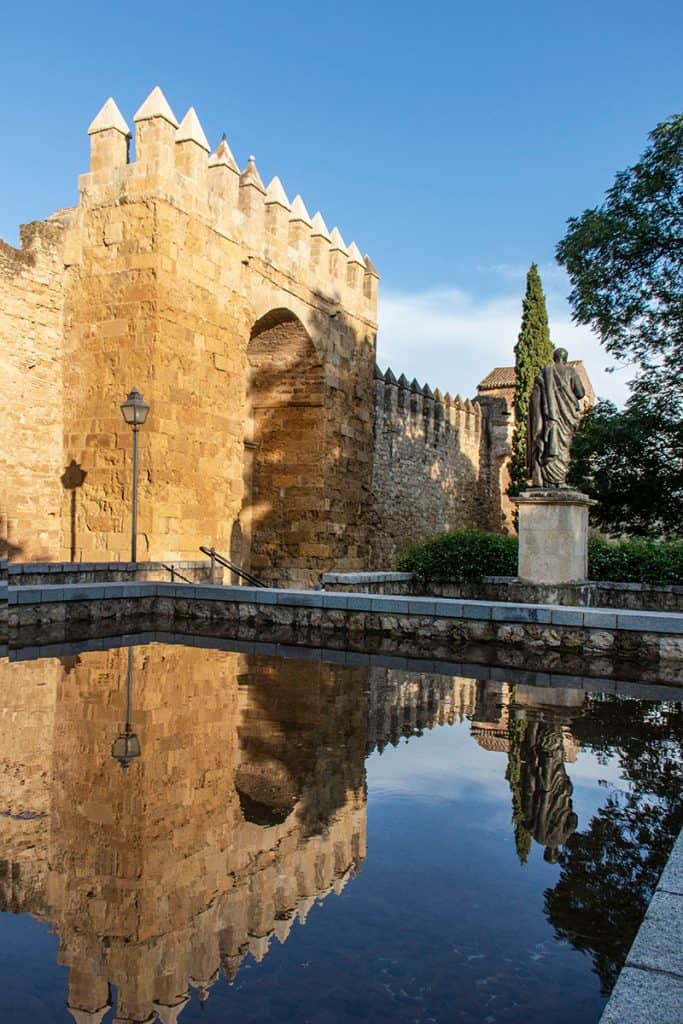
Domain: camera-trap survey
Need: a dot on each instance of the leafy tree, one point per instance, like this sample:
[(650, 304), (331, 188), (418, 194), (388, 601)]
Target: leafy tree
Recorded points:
[(609, 872), (625, 263), (533, 351), (631, 463)]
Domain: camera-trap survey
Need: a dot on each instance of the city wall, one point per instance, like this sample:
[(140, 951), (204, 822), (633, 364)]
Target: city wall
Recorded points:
[(439, 463)]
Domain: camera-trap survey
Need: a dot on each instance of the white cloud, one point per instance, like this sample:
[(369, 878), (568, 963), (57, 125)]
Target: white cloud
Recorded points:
[(452, 340)]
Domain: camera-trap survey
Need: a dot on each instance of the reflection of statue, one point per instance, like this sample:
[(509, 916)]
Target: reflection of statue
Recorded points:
[(554, 414), (545, 788)]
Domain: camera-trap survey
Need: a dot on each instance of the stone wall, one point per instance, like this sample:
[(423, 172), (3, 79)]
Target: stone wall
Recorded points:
[(162, 278), (31, 394), (435, 627), (592, 594), (437, 465)]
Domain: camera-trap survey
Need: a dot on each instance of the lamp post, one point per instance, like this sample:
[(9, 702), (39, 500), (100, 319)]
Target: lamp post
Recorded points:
[(134, 411), (126, 746)]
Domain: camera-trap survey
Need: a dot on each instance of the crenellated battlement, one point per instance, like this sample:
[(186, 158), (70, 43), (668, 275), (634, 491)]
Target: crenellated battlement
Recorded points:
[(406, 406), (174, 160)]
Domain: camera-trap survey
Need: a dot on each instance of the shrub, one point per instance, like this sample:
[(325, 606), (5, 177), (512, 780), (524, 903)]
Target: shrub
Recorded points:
[(656, 562), (471, 554), (461, 555)]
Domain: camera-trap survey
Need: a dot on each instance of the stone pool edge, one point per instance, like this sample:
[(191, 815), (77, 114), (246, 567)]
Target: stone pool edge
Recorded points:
[(650, 636), (649, 989)]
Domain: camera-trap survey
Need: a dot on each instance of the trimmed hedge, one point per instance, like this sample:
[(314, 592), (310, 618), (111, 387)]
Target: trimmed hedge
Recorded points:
[(657, 562), (462, 555), (471, 554)]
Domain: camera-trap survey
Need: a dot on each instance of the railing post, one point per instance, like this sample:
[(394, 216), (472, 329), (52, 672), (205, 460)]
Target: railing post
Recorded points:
[(213, 565)]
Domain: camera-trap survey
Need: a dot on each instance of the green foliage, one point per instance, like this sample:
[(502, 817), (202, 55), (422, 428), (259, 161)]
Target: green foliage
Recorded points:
[(516, 733), (471, 554), (636, 561), (631, 462), (533, 351), (625, 263), (608, 872), (462, 555)]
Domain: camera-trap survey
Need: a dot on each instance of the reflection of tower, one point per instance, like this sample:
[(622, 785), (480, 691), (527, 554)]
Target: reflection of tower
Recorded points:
[(157, 875)]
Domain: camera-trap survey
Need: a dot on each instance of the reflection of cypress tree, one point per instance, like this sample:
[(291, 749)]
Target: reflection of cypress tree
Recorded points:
[(516, 732)]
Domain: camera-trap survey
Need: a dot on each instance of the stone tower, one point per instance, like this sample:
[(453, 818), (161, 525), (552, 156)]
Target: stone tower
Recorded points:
[(247, 326)]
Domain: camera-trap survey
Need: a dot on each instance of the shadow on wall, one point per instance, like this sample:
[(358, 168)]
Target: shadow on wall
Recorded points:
[(302, 507), (72, 479)]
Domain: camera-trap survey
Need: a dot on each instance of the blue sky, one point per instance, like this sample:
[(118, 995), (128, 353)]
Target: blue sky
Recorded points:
[(451, 141)]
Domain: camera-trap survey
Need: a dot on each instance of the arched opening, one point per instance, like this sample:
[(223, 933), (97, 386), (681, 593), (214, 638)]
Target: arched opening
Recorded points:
[(282, 522)]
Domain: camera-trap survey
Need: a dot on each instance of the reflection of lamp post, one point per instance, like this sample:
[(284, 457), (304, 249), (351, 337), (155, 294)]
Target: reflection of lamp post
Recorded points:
[(126, 746), (134, 411)]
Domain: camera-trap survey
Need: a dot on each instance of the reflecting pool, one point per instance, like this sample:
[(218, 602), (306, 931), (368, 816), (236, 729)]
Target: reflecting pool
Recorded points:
[(193, 832)]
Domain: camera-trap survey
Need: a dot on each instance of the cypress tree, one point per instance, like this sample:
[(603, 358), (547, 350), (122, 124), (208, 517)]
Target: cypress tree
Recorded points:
[(533, 351)]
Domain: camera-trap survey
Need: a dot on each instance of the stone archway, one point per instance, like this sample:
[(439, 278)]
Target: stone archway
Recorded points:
[(282, 520)]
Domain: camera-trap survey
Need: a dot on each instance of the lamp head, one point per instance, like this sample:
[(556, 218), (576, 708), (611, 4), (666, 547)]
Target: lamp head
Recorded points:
[(135, 409)]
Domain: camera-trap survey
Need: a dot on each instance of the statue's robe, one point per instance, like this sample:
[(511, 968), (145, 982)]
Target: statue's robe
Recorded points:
[(554, 414)]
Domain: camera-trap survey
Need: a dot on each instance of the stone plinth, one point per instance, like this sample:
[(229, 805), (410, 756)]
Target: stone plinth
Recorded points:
[(553, 535)]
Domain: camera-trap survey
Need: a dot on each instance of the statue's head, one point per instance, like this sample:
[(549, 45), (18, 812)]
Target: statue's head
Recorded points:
[(560, 355)]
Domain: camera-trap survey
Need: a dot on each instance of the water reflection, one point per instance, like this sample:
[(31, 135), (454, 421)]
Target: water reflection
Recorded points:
[(243, 803)]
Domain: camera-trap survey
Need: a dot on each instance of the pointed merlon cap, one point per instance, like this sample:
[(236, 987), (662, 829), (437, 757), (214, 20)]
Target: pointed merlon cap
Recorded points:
[(415, 387), (156, 105), (378, 373), (355, 255), (370, 267), (389, 377), (283, 926), (109, 117), (447, 398), (299, 211), (222, 156), (319, 226), (437, 395), (403, 381), (338, 242), (190, 130), (427, 391), (276, 194), (251, 176)]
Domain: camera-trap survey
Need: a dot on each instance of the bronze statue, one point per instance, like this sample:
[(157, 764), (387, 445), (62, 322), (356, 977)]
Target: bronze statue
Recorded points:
[(554, 414)]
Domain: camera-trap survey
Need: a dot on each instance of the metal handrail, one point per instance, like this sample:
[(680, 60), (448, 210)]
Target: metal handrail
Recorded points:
[(174, 572), (227, 564)]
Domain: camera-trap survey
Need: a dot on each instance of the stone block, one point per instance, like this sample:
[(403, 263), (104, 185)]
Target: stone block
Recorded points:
[(650, 622), (598, 619), (449, 609), (476, 610), (644, 997), (519, 613), (567, 616), (658, 945), (672, 875), (553, 536)]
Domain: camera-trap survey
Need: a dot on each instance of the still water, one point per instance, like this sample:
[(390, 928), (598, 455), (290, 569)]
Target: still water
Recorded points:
[(199, 834)]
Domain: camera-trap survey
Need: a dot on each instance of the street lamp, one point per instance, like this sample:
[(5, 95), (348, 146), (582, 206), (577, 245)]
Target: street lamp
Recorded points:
[(134, 411), (126, 746)]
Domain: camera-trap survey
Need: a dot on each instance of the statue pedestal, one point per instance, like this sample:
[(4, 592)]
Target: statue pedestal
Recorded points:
[(553, 535)]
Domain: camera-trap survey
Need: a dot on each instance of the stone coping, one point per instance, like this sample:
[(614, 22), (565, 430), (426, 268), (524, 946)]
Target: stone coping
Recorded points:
[(366, 578), (31, 568), (355, 659), (650, 986), (499, 611), (362, 578)]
